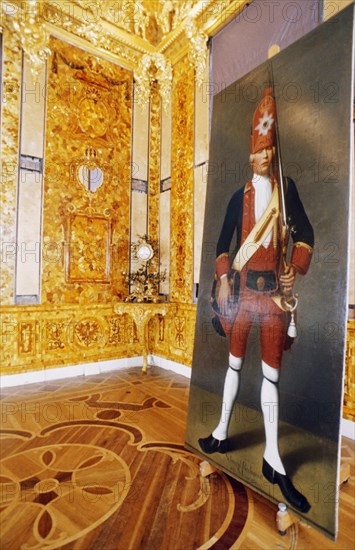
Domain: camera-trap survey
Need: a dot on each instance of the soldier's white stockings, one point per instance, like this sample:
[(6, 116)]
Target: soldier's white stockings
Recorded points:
[(270, 407), (230, 392)]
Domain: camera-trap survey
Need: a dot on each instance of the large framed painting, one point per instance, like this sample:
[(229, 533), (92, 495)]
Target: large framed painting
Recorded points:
[(267, 378)]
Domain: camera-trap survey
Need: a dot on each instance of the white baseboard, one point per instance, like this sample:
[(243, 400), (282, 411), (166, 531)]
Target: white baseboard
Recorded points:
[(179, 368), (84, 369), (87, 369)]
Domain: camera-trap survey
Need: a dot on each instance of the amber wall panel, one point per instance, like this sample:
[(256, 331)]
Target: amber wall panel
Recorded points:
[(86, 233), (182, 184), (10, 122), (172, 336), (43, 337)]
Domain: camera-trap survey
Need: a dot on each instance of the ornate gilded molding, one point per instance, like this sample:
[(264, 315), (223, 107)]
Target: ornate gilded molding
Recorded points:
[(154, 71), (198, 53), (209, 16), (120, 30), (25, 22)]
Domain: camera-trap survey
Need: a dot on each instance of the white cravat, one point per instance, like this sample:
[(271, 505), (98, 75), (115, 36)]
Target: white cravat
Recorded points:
[(263, 192)]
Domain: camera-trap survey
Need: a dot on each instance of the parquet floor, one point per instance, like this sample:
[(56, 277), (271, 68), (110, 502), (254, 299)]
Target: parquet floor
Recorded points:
[(98, 463)]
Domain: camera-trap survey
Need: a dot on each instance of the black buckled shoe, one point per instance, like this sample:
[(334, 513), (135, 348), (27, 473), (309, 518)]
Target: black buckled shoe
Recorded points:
[(294, 497), (211, 445)]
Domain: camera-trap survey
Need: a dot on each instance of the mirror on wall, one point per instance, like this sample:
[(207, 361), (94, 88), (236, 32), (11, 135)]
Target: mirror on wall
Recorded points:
[(91, 178)]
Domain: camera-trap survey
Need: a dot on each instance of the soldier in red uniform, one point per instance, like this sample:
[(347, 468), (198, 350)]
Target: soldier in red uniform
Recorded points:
[(260, 284)]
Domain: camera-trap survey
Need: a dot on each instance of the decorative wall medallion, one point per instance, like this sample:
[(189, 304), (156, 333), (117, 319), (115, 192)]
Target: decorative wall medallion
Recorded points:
[(88, 332), (93, 115)]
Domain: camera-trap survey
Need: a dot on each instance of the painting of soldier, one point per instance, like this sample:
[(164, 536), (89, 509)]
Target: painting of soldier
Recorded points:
[(267, 375)]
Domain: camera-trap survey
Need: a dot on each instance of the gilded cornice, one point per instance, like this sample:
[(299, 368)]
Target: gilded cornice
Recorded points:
[(216, 17), (120, 37), (212, 16), (121, 55), (112, 31)]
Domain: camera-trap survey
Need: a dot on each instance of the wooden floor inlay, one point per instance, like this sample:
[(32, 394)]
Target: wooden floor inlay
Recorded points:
[(107, 468), (99, 463)]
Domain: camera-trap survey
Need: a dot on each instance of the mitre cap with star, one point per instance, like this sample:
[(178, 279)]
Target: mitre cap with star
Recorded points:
[(263, 130)]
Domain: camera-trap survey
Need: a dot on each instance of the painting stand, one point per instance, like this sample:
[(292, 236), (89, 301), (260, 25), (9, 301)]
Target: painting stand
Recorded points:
[(207, 469), (284, 518)]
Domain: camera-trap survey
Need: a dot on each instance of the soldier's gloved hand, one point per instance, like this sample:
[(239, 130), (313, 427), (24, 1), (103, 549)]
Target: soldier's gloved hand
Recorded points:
[(224, 296), (287, 280)]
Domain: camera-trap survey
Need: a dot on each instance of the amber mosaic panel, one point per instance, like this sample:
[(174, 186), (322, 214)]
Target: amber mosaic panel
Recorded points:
[(88, 253), (182, 183), (154, 167), (27, 338), (172, 336), (86, 220), (10, 120), (42, 337)]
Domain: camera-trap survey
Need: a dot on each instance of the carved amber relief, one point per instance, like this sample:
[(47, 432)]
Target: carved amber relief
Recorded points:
[(87, 177), (36, 337), (88, 253)]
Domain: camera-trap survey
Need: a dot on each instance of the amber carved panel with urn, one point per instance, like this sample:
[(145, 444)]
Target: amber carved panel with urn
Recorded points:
[(87, 177)]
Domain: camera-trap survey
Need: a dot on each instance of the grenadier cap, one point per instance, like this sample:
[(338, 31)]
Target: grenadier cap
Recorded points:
[(263, 130)]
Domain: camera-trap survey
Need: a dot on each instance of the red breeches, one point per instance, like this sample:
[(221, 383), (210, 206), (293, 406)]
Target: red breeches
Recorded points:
[(262, 311)]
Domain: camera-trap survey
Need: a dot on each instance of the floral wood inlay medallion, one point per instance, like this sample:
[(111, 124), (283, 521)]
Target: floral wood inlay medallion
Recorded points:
[(45, 488)]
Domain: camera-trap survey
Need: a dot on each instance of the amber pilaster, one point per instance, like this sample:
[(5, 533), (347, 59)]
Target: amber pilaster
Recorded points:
[(11, 107), (182, 183), (154, 167)]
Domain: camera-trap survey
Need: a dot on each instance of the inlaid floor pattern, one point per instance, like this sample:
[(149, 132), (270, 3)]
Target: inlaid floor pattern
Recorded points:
[(99, 463)]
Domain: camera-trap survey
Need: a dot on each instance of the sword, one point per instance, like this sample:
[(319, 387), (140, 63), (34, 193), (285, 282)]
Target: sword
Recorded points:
[(289, 301)]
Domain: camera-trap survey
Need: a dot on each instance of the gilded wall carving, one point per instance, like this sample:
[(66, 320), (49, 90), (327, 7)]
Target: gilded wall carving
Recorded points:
[(88, 252), (172, 336), (40, 337), (87, 178), (34, 37), (11, 97), (182, 184)]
